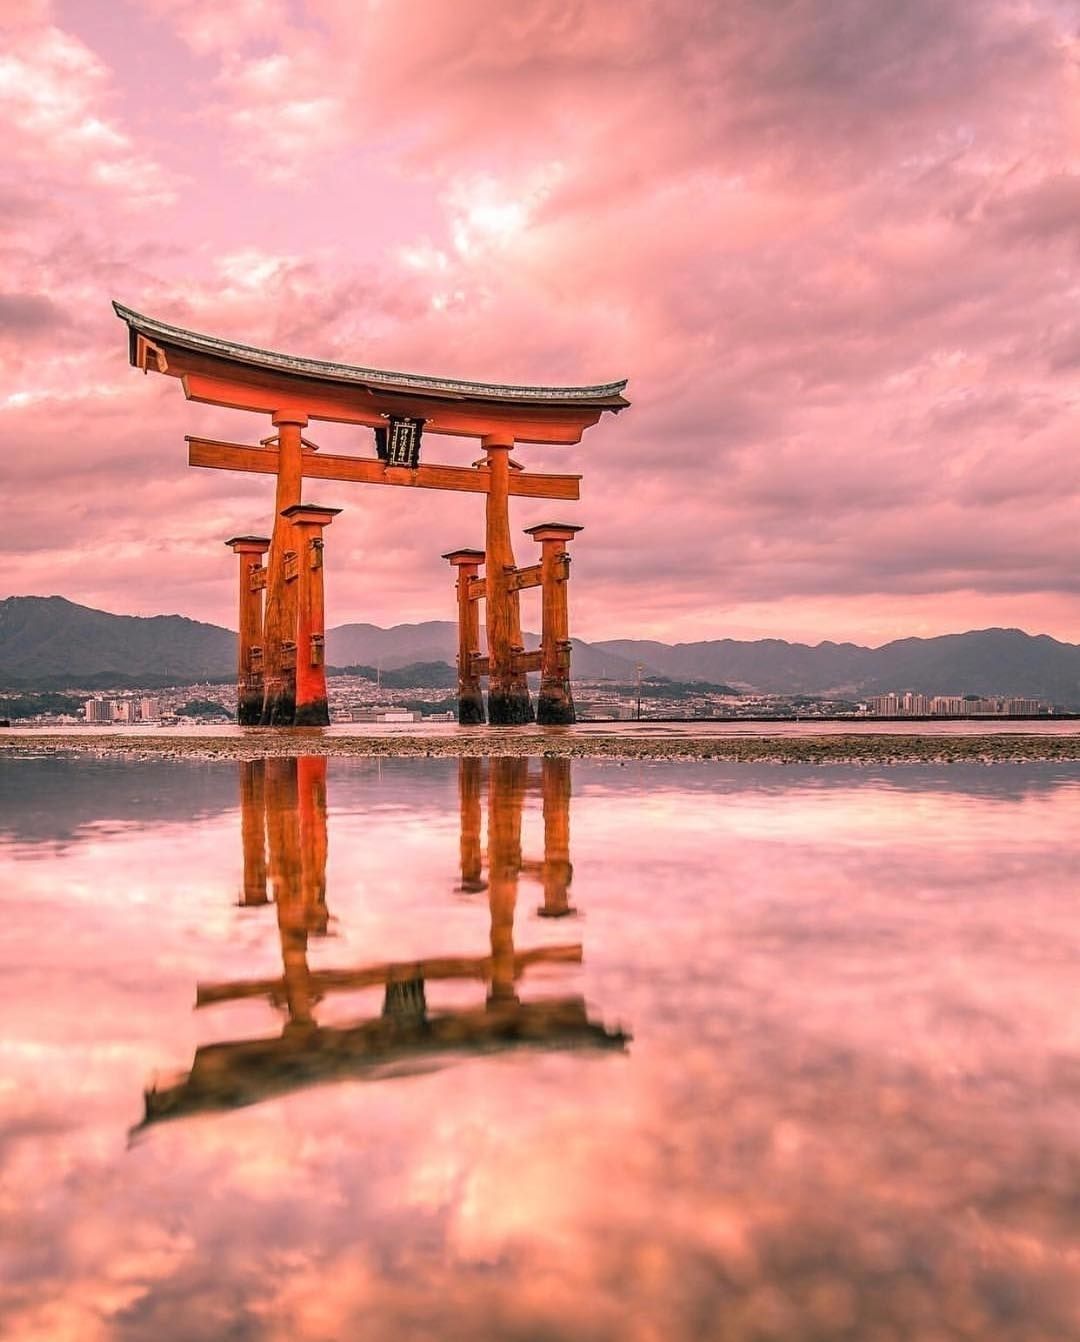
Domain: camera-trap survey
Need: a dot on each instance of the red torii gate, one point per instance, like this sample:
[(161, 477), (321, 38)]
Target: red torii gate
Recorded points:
[(281, 672)]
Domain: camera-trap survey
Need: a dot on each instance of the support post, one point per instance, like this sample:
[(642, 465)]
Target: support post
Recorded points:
[(279, 626), (508, 688), (470, 695), (310, 708), (249, 671), (555, 706)]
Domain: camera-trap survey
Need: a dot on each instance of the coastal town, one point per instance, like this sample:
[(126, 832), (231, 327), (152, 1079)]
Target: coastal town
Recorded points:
[(357, 698)]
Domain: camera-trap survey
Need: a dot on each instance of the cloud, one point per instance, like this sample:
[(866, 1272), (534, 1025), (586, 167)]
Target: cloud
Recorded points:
[(831, 245)]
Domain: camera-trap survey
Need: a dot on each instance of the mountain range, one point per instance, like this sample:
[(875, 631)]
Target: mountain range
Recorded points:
[(51, 643)]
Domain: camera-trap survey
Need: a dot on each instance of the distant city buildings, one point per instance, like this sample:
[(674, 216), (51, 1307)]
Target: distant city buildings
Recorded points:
[(909, 704), (100, 710)]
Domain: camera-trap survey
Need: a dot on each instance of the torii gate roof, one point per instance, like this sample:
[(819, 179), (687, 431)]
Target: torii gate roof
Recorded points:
[(155, 344)]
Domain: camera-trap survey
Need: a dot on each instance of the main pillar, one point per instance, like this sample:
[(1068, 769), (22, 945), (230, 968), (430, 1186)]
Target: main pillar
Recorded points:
[(279, 626), (555, 706), (508, 688), (470, 695), (310, 708), (249, 676)]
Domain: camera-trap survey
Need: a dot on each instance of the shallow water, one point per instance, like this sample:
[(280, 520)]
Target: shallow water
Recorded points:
[(291, 1051)]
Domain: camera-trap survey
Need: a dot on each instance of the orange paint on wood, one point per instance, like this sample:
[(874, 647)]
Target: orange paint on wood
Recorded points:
[(508, 690), (224, 456), (311, 708), (279, 625)]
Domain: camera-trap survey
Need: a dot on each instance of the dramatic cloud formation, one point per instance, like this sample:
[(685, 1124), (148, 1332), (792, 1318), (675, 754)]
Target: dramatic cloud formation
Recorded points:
[(835, 246)]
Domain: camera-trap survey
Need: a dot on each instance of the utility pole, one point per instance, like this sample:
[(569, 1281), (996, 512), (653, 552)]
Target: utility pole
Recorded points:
[(639, 668)]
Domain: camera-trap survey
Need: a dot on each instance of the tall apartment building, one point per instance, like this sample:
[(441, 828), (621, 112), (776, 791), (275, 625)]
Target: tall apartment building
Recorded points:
[(98, 710)]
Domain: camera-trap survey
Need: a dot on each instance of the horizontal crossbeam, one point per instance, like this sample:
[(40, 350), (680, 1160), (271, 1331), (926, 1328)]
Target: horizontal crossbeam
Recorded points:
[(524, 577), (224, 456), (519, 661)]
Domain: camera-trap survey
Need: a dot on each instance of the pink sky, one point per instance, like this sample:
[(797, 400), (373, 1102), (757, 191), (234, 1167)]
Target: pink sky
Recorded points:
[(834, 246)]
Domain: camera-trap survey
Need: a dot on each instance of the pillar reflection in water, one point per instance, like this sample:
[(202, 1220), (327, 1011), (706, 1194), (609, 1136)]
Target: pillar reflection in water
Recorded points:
[(285, 799)]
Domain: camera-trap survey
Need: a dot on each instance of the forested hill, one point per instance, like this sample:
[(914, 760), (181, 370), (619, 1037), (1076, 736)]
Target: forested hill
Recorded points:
[(49, 642)]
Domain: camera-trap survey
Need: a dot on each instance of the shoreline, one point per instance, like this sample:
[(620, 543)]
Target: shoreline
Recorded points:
[(883, 749)]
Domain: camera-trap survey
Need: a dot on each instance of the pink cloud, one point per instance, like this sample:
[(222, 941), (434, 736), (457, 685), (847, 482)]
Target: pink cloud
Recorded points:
[(834, 251)]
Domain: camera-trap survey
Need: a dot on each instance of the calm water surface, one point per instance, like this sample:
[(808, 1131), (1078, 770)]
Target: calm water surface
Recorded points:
[(516, 1049)]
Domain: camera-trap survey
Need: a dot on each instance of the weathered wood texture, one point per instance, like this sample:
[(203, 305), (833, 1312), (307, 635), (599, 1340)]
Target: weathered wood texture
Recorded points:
[(249, 679), (279, 624), (225, 456), (508, 690), (470, 694)]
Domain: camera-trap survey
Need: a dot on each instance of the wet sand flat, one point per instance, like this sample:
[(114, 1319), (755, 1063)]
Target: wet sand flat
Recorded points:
[(839, 748)]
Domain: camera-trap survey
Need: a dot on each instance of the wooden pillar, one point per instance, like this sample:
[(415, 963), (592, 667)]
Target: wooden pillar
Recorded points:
[(555, 706), (249, 675), (508, 688), (472, 863), (310, 708), (506, 800), (557, 869), (253, 830), (470, 695), (279, 625)]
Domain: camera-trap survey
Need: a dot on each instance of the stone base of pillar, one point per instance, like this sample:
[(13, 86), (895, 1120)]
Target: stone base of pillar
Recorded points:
[(555, 706), (313, 714), (279, 705), (560, 911), (509, 708), (249, 705), (471, 708)]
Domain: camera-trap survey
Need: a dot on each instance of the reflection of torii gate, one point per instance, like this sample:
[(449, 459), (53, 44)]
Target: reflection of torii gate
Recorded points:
[(281, 673), (288, 796)]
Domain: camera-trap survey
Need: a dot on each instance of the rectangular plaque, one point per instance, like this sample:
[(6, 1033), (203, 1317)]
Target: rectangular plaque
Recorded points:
[(403, 442)]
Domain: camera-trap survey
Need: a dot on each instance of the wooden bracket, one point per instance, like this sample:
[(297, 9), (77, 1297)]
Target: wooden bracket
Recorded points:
[(257, 578), (291, 566)]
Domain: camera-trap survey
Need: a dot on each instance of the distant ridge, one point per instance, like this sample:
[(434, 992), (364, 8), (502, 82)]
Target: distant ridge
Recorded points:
[(48, 642), (51, 643)]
